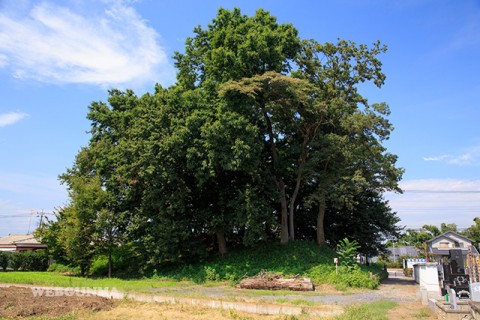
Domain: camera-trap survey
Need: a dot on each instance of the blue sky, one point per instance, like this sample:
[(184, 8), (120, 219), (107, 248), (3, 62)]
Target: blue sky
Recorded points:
[(56, 57)]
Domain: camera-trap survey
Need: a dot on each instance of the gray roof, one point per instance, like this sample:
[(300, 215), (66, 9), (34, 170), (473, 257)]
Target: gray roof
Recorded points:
[(448, 234), (18, 239)]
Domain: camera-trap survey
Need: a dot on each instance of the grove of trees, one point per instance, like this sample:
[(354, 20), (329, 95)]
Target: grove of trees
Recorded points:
[(264, 137)]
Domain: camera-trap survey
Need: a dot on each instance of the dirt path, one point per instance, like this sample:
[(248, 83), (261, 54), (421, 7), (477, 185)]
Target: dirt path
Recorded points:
[(405, 291)]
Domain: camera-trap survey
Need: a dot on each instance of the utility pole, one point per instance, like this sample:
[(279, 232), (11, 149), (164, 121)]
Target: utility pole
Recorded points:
[(41, 214), (393, 250)]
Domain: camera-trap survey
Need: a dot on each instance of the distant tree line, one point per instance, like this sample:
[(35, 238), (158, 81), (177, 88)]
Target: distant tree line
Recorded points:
[(24, 260), (264, 137)]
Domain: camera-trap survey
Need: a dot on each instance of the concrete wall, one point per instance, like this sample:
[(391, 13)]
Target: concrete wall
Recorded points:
[(426, 275)]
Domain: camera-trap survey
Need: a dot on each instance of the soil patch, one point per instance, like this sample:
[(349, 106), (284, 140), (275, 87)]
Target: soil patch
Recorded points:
[(20, 302)]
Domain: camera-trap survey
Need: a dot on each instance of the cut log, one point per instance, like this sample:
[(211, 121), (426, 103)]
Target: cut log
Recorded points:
[(295, 284)]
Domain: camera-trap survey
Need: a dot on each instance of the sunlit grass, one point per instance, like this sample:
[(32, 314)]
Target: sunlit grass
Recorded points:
[(58, 280)]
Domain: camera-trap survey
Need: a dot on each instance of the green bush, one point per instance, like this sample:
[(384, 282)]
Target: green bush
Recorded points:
[(29, 260), (356, 278), (124, 263), (99, 266), (348, 251), (16, 261), (61, 268), (298, 258), (4, 260)]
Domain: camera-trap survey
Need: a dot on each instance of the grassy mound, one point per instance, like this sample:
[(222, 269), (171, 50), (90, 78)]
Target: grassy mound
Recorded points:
[(297, 258)]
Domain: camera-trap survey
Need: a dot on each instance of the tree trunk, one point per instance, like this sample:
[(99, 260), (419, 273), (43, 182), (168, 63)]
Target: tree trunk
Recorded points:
[(110, 263), (291, 224), (301, 165), (222, 243), (283, 211), (320, 223), (278, 181)]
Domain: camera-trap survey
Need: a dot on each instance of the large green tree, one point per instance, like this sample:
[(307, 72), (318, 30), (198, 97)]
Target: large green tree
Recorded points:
[(261, 129)]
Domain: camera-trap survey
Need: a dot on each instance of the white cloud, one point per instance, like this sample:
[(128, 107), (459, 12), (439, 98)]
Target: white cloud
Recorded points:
[(11, 118), (57, 45), (470, 156), (439, 158), (433, 201)]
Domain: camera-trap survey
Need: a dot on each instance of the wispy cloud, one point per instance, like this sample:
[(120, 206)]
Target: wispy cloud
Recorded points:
[(471, 156), (54, 44), (10, 118), (433, 201)]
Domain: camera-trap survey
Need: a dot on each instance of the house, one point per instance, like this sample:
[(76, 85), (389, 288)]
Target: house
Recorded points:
[(441, 245), (20, 242)]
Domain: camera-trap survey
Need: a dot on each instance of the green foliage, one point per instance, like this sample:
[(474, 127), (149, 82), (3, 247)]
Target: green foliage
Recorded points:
[(297, 258), (348, 251), (397, 264), (243, 150), (63, 269), (29, 260), (374, 311), (473, 232), (4, 260), (123, 260), (418, 238), (423, 313)]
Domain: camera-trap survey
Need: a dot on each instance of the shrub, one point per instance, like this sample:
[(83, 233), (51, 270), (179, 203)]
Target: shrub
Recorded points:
[(408, 272), (356, 278), (35, 260), (29, 260), (4, 260), (348, 251), (61, 268), (16, 261), (124, 263)]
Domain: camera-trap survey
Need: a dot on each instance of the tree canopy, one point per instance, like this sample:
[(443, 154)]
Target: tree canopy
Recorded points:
[(265, 136)]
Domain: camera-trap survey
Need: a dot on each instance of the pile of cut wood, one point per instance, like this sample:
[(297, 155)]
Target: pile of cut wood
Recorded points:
[(269, 281)]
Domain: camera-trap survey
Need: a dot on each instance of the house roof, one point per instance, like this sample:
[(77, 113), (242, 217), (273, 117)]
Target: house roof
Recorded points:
[(20, 239), (448, 234)]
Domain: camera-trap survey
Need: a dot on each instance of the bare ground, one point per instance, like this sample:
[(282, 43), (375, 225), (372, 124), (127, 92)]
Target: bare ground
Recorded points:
[(20, 302)]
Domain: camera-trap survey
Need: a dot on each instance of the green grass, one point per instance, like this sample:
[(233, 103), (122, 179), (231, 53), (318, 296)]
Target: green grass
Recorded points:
[(423, 313), (305, 259), (298, 258), (373, 311), (297, 302), (58, 280)]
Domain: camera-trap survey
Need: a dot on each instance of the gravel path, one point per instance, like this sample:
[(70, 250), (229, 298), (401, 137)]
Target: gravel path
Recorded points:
[(397, 288)]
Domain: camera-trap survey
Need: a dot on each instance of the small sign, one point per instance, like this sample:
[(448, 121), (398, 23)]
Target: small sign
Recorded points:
[(335, 260)]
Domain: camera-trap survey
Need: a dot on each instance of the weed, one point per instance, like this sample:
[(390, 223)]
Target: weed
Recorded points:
[(424, 313), (373, 311)]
